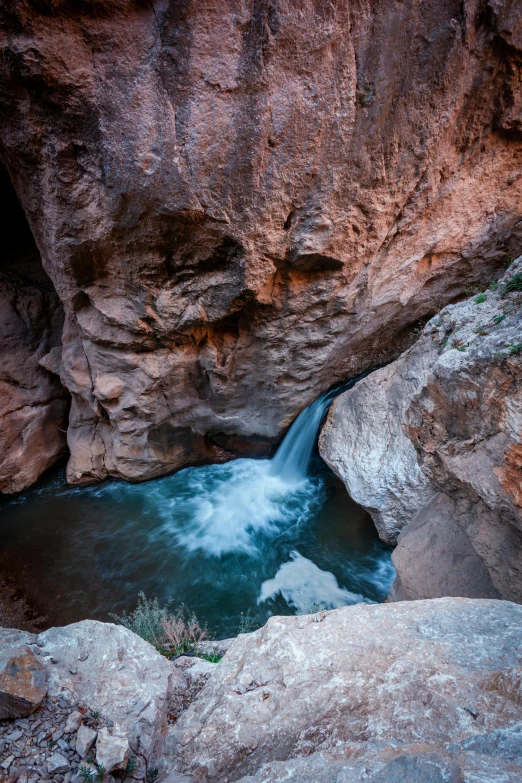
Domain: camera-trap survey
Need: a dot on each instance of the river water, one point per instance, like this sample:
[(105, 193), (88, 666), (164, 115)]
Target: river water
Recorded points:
[(276, 536)]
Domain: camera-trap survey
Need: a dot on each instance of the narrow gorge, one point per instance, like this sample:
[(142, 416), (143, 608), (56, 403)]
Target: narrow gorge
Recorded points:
[(261, 391)]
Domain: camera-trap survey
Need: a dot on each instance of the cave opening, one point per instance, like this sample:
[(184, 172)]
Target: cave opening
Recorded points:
[(19, 256)]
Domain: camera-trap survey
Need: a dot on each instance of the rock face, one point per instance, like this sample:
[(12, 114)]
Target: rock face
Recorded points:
[(239, 203), (432, 445), (33, 403), (112, 672), (424, 691), (22, 677)]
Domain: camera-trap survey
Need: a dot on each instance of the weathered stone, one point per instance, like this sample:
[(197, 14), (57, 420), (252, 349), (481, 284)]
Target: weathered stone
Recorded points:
[(123, 678), (216, 646), (239, 204), (435, 557), (194, 668), (33, 403), (429, 445), (112, 751), (22, 677), (375, 766), (84, 740), (57, 764), (73, 722), (367, 683)]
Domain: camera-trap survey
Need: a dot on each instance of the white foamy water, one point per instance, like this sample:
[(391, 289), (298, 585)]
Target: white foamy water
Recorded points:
[(306, 587), (224, 539), (226, 508)]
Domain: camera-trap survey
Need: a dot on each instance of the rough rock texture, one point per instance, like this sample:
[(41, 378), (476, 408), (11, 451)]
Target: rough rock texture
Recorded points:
[(413, 687), (432, 445), (33, 403), (240, 202), (23, 683), (114, 673), (375, 766)]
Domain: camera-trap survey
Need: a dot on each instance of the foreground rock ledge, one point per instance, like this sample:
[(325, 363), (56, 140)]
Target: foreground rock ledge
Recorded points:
[(425, 690)]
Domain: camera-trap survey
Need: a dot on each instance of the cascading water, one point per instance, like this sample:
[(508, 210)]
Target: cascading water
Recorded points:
[(276, 535), (295, 452)]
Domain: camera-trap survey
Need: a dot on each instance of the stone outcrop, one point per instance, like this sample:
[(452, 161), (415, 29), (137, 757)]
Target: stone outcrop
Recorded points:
[(427, 691), (33, 403), (239, 203), (23, 683), (424, 691), (116, 675), (431, 445)]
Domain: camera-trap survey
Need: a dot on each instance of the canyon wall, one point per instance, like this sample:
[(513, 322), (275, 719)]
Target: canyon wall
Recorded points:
[(241, 202), (431, 445), (33, 403)]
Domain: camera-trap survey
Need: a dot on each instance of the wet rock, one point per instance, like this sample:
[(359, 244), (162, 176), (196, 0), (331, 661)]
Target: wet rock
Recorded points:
[(112, 751), (267, 225), (431, 446), (361, 685), (84, 740), (23, 682), (123, 678)]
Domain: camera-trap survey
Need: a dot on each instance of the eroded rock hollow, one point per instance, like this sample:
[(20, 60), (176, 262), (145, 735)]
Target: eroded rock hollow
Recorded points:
[(241, 202), (33, 403)]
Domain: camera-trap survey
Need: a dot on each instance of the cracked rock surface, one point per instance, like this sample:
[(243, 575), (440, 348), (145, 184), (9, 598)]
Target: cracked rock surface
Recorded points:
[(431, 445), (424, 690), (241, 203)]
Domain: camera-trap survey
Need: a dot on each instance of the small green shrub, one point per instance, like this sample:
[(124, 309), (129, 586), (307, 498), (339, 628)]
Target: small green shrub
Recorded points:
[(514, 349), (514, 284), (480, 298), (87, 775), (497, 319), (247, 623), (481, 329), (171, 632), (493, 286), (210, 657)]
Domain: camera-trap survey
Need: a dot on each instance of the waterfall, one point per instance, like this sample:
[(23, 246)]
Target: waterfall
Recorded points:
[(293, 455)]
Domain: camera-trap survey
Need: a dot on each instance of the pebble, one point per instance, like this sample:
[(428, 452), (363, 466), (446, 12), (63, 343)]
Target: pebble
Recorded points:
[(83, 656)]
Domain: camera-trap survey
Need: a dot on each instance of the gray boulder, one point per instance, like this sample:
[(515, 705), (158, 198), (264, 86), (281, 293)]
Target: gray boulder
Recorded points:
[(115, 673), (431, 446), (323, 697)]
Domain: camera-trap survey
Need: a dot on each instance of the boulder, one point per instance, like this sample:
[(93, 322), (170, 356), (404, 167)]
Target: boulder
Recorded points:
[(403, 691), (375, 766), (57, 764), (112, 751), (73, 722), (23, 682), (85, 738), (240, 204), (116, 674), (431, 445)]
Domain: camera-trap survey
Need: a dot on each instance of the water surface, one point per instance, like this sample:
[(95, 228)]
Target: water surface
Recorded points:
[(279, 536)]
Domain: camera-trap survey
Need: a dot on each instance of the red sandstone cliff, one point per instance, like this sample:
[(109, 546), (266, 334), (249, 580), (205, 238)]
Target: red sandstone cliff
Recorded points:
[(240, 202)]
